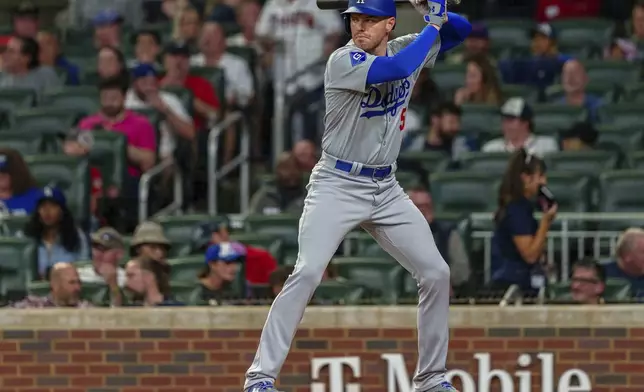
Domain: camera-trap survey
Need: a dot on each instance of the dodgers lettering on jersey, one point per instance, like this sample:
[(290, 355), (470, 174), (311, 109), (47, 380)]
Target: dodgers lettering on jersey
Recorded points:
[(365, 123)]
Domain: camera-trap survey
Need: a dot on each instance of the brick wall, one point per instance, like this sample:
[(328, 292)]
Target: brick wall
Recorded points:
[(182, 360)]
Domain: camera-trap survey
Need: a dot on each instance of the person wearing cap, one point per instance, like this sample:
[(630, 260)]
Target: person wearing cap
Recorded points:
[(574, 80), (26, 20), (53, 228), (176, 61), (517, 125), (86, 13), (222, 264), (477, 43), (19, 192), (145, 94), (21, 67), (287, 195), (149, 240), (52, 56), (107, 29), (107, 251), (259, 263), (580, 136)]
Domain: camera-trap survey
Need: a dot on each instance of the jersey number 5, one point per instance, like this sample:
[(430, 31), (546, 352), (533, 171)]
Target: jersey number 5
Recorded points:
[(403, 116)]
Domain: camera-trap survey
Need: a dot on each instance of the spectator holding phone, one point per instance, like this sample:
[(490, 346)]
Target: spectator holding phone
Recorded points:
[(519, 239)]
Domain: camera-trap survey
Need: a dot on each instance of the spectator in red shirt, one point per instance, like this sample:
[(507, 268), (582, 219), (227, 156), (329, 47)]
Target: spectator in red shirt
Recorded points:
[(177, 65), (259, 262)]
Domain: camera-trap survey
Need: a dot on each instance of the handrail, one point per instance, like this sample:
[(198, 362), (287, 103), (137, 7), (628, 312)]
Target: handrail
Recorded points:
[(241, 161), (511, 295), (144, 189)]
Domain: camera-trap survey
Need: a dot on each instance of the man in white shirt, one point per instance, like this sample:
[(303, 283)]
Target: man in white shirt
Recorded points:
[(239, 79), (107, 250), (517, 126), (145, 93), (299, 34)]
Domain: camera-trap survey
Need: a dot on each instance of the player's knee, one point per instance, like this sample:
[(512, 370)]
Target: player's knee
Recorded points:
[(436, 273), (309, 274)]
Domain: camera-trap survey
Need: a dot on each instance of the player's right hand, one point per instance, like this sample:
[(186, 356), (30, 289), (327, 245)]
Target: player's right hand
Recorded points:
[(437, 14)]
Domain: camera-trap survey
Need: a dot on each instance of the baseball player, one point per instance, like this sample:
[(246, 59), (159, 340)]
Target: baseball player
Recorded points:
[(368, 84)]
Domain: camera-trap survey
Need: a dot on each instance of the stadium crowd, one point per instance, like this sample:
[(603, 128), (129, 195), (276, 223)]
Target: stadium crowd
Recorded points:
[(119, 88)]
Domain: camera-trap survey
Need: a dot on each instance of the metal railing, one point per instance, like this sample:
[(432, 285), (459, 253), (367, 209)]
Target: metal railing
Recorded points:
[(242, 161), (603, 242), (146, 182)]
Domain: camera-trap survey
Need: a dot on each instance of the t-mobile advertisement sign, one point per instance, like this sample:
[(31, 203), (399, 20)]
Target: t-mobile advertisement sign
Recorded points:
[(398, 380)]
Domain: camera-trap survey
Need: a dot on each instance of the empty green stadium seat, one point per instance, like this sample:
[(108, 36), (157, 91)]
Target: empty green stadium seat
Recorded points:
[(636, 160), (464, 191), (583, 31), (619, 73), (284, 226), (621, 191), (180, 230), (510, 32), (529, 93), (488, 162), (375, 273), (13, 225), (552, 118), (339, 293), (18, 266), (216, 77), (429, 161), (634, 92), (69, 174), (407, 179), (185, 269), (586, 162), (407, 288), (44, 121), (81, 99), (24, 143), (622, 114), (109, 155), (479, 118), (13, 99), (272, 243), (448, 77), (183, 291), (572, 191), (247, 53), (628, 138)]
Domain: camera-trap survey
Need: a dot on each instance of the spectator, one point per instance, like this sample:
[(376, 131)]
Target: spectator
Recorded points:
[(287, 195), (86, 12), (107, 251), (629, 260), (298, 35), (146, 94), (51, 56), (247, 17), (149, 282), (481, 83), (26, 20), (206, 105), (306, 154), (107, 29), (442, 135), (65, 291), (588, 282), (19, 193), (259, 262), (518, 131), (278, 278), (220, 271), (574, 81), (519, 240), (150, 241), (138, 131), (476, 44), (581, 136), (637, 23), (189, 26), (545, 65), (213, 54), (620, 49), (21, 67), (111, 63), (449, 242), (52, 226), (147, 48)]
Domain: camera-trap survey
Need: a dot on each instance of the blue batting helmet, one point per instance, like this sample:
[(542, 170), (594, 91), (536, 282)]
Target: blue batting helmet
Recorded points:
[(386, 8)]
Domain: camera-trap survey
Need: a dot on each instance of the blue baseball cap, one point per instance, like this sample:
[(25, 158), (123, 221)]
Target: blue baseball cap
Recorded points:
[(106, 17), (228, 252), (53, 194), (142, 70), (544, 29), (4, 162), (479, 30), (203, 232)]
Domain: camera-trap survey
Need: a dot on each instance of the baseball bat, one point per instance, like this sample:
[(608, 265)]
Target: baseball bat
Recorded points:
[(342, 4)]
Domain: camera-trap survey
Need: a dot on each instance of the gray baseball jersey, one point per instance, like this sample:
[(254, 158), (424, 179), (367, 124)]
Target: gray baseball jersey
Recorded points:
[(364, 123)]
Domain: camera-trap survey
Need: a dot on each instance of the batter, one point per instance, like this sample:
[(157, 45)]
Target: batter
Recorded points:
[(368, 84)]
